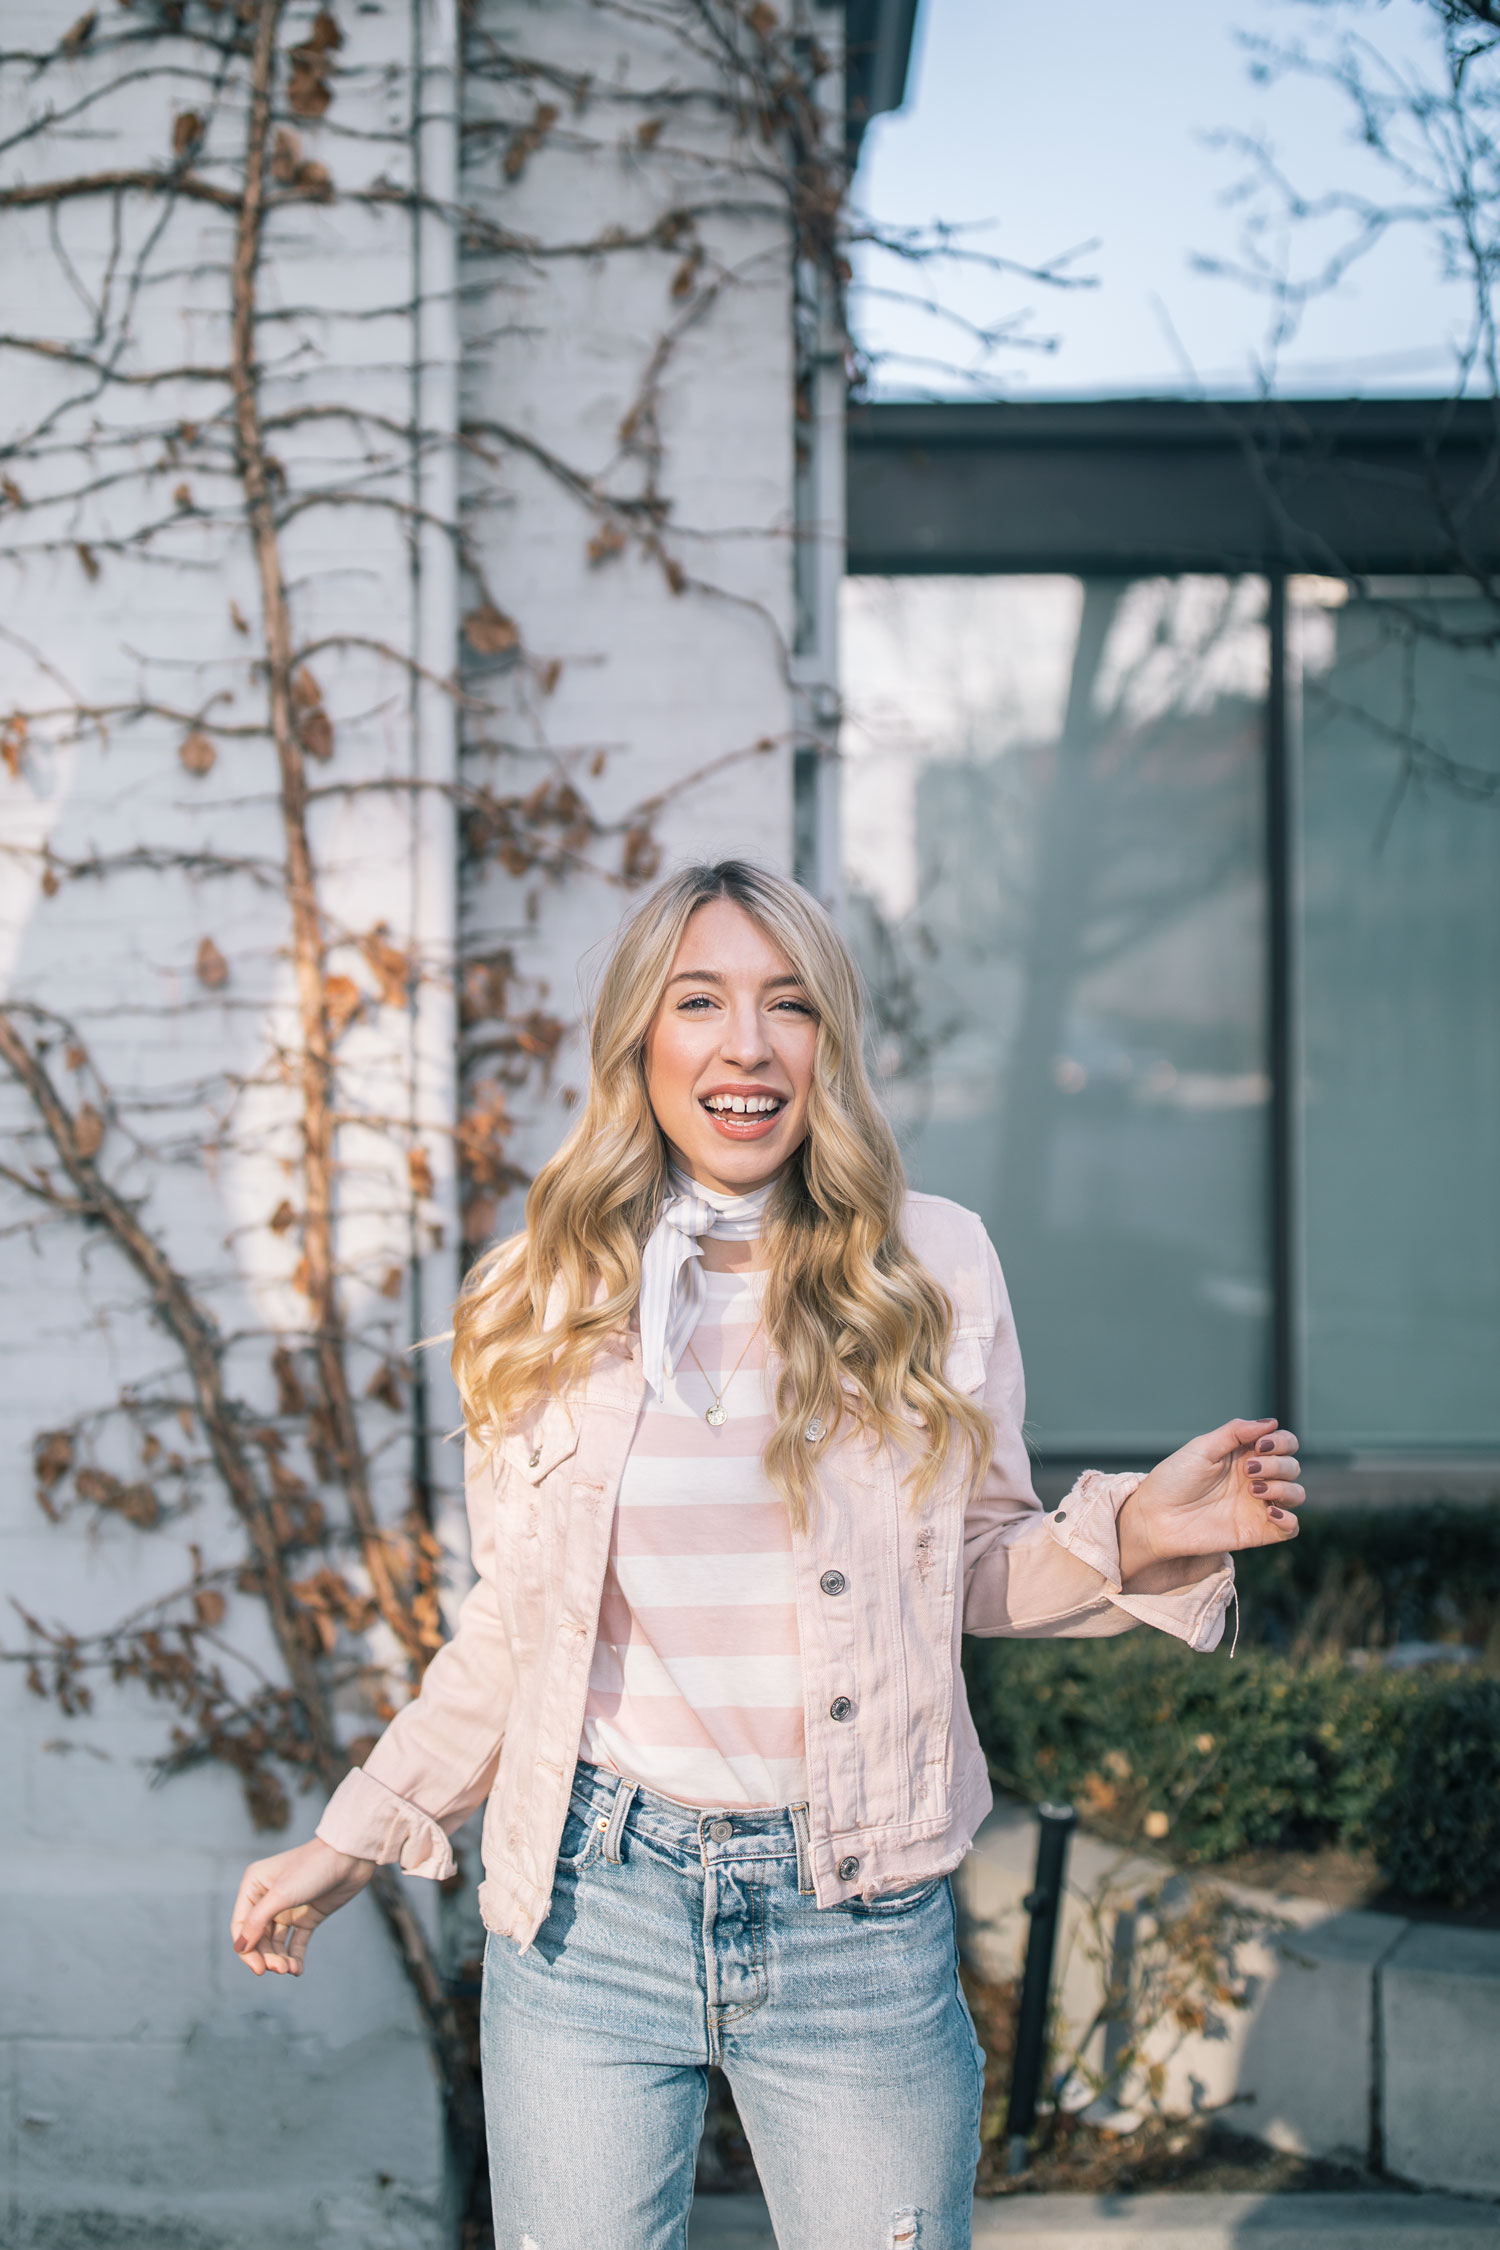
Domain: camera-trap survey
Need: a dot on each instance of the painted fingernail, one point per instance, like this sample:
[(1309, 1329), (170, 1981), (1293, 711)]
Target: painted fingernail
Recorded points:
[(239, 1945), (1277, 1515), (1258, 1489), (1266, 1445)]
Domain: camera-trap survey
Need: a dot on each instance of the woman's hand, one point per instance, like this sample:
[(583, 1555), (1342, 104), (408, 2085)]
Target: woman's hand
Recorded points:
[(283, 1899), (1237, 1487)]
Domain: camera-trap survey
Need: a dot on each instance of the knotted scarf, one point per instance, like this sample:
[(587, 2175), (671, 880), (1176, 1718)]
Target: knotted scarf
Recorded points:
[(673, 1291)]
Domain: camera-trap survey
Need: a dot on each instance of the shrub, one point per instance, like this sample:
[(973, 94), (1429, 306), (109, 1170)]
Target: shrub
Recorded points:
[(1370, 1576), (1214, 1758)]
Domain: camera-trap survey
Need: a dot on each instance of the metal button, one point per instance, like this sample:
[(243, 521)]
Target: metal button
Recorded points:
[(840, 1708), (833, 1582), (1059, 1515), (848, 1869), (721, 1830), (531, 1464)]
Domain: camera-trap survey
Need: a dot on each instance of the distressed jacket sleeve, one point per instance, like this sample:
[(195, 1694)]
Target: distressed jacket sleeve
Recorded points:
[(1033, 1576), (436, 1760)]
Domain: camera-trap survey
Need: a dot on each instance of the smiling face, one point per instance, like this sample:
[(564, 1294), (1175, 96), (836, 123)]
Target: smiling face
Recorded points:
[(729, 1056)]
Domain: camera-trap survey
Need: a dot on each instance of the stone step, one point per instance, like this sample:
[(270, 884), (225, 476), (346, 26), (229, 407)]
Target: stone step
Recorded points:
[(1185, 2222)]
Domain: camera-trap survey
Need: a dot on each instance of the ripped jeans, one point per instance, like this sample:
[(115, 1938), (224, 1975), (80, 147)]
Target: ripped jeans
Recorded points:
[(677, 1939)]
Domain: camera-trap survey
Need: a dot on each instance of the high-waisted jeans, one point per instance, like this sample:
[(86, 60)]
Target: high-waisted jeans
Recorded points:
[(677, 1939)]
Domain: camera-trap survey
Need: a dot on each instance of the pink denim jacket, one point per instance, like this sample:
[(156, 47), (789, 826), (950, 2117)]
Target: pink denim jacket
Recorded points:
[(896, 1779)]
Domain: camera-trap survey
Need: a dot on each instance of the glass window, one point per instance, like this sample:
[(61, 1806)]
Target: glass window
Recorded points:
[(1053, 838), (1400, 877)]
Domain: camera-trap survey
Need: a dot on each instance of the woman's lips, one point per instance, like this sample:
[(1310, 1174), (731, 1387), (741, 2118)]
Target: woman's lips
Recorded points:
[(735, 1125)]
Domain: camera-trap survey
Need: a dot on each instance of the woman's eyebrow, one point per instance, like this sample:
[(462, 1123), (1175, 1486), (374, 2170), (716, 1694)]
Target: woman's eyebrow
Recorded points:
[(713, 976)]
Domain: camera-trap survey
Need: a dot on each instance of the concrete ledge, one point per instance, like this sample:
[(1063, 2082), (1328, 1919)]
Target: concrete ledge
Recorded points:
[(1367, 2038), (1440, 2042), (1187, 2222)]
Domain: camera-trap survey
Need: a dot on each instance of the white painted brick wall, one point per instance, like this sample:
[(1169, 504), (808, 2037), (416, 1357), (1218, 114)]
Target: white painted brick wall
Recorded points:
[(145, 2079)]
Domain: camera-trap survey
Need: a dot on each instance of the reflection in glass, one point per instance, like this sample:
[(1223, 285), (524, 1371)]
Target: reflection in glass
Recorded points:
[(1053, 844), (1401, 1014)]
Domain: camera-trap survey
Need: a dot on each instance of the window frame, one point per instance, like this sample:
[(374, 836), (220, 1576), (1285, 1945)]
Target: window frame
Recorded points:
[(1352, 489)]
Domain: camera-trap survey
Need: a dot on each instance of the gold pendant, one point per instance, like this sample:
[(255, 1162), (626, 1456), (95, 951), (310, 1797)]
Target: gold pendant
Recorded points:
[(715, 1414)]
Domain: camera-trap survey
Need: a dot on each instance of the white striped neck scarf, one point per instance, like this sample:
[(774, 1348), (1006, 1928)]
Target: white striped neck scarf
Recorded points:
[(672, 1289)]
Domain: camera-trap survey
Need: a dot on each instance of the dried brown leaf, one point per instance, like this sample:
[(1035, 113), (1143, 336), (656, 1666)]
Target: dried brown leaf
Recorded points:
[(74, 1057), (286, 155), (182, 496), (88, 558), (640, 855), (342, 999), (395, 1277), (648, 133), (209, 1606), (197, 754), (12, 492), (489, 632), (282, 1217), (238, 619), (528, 138), (88, 1130), (315, 733), (78, 35), (13, 743), (212, 968), (393, 969), (187, 132), (419, 1166), (52, 1457), (305, 690), (608, 540), (385, 1385)]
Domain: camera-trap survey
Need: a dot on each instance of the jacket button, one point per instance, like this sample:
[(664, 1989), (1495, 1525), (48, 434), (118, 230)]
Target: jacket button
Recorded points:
[(531, 1464), (848, 1869), (840, 1708), (833, 1582), (1059, 1515)]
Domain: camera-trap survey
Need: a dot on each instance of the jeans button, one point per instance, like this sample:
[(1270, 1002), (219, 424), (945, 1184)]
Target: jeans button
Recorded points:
[(840, 1708), (833, 1582), (721, 1830), (848, 1869)]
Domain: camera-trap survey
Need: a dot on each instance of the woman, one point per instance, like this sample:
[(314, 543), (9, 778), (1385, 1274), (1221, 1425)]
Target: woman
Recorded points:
[(744, 1456)]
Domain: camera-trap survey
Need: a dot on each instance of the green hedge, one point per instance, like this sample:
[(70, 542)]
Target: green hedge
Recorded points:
[(1256, 1753), (1369, 1576)]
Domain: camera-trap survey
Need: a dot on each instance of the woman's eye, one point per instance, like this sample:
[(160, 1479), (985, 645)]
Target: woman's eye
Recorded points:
[(795, 1007), (696, 1004)]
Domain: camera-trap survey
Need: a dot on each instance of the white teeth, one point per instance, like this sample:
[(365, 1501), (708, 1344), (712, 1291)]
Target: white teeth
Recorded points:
[(743, 1105)]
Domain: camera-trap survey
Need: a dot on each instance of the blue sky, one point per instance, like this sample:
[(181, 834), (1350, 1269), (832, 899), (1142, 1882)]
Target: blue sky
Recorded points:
[(1091, 121)]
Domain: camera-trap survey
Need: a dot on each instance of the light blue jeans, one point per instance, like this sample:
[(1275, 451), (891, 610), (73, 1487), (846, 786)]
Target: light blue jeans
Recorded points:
[(677, 1939)]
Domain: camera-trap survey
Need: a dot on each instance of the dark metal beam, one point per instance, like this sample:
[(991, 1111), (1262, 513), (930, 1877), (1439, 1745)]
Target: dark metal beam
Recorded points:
[(877, 56), (1326, 485)]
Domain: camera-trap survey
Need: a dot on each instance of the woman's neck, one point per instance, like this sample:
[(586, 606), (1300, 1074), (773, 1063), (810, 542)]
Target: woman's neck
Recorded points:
[(732, 1257)]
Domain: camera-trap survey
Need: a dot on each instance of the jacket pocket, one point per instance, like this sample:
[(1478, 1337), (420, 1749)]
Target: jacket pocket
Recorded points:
[(966, 1361), (895, 1903)]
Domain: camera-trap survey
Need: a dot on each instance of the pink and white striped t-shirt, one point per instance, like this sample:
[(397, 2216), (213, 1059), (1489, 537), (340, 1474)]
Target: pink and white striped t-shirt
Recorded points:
[(696, 1686)]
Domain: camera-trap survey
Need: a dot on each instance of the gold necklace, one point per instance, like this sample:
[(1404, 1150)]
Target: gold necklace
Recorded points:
[(715, 1414)]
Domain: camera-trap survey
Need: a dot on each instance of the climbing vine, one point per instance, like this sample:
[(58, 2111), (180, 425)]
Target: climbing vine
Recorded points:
[(196, 457)]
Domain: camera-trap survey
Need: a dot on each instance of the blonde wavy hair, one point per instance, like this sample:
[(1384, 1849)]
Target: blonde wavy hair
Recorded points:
[(857, 1325)]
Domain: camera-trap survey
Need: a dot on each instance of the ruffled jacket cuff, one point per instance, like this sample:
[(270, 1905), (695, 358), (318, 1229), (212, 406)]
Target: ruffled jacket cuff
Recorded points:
[(1084, 1525), (369, 1821)]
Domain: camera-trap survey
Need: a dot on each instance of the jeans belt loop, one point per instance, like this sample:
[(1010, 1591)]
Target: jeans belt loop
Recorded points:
[(804, 1850), (619, 1811)]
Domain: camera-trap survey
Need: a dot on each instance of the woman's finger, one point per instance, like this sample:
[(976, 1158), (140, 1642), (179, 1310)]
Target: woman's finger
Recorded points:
[(251, 1930), (1277, 1441), (1233, 1437), (1270, 1473)]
